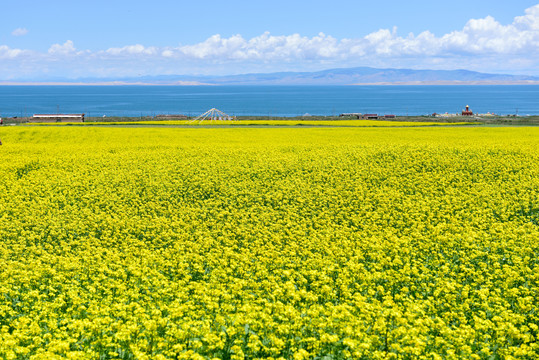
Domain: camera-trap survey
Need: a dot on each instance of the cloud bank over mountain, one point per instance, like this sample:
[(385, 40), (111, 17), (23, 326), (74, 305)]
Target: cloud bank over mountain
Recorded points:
[(482, 44)]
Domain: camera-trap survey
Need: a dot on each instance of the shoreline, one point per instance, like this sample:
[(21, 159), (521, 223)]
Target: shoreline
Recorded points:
[(292, 121)]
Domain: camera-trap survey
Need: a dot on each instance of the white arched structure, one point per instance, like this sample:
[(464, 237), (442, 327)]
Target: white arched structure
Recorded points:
[(213, 114)]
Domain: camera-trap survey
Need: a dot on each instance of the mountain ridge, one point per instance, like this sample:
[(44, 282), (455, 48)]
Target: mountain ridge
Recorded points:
[(336, 76)]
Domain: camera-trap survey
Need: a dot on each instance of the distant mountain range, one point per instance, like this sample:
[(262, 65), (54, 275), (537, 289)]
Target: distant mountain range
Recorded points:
[(345, 76)]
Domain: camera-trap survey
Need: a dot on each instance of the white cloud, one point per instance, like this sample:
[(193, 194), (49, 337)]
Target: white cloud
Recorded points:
[(264, 47), (19, 32), (132, 50), (530, 20), (8, 53), (167, 53), (489, 36), (66, 48)]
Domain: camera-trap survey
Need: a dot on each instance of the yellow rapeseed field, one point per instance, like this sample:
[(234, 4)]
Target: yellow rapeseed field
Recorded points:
[(269, 243)]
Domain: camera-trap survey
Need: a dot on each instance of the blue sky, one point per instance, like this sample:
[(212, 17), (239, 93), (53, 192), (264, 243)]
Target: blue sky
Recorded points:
[(72, 39)]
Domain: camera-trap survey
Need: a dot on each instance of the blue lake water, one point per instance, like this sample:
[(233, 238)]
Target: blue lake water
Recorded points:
[(267, 100)]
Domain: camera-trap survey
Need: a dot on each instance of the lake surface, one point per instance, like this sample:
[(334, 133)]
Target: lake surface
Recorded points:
[(267, 100)]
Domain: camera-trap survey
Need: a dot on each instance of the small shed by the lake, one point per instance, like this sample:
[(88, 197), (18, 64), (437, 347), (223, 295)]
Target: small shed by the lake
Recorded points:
[(48, 118), (370, 116)]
